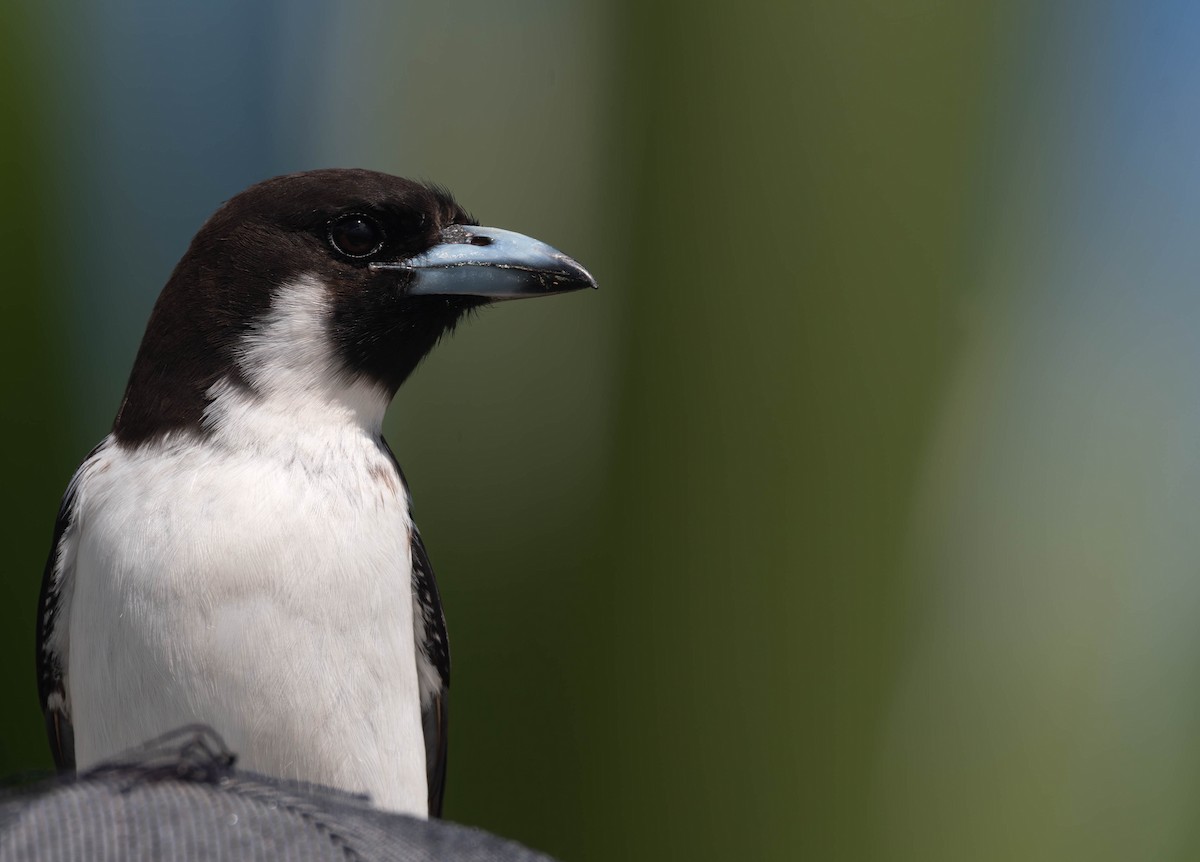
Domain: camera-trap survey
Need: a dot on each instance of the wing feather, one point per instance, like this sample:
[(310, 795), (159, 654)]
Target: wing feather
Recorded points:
[(433, 658), (52, 623), (434, 648)]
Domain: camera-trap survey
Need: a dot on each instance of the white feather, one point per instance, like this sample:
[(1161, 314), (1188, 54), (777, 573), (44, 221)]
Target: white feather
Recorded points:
[(256, 579)]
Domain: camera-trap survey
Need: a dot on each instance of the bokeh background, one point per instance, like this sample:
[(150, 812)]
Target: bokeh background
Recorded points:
[(854, 518)]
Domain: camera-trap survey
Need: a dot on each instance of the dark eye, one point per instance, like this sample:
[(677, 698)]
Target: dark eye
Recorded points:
[(356, 235)]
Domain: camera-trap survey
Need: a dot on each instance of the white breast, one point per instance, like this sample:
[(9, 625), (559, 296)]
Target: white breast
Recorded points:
[(271, 602), (257, 580)]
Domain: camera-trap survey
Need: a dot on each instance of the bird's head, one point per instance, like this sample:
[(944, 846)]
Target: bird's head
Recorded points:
[(324, 284)]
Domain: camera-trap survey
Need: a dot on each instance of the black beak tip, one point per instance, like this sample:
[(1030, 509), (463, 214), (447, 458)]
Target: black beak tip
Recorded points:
[(570, 276)]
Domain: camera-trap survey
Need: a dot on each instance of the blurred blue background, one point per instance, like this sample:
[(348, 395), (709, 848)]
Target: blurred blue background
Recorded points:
[(853, 518)]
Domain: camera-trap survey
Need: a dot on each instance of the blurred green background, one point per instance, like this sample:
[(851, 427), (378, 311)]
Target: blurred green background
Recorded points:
[(854, 517)]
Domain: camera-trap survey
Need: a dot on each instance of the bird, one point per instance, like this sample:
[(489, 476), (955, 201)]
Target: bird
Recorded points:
[(239, 551)]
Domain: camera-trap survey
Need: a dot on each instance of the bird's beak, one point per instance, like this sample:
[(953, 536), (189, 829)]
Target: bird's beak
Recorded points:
[(491, 263)]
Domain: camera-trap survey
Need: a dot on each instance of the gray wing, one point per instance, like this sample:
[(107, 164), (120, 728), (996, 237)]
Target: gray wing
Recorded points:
[(51, 635), (433, 657), (434, 648)]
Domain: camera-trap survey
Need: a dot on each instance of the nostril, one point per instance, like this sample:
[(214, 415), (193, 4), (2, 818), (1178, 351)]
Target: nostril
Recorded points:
[(476, 239)]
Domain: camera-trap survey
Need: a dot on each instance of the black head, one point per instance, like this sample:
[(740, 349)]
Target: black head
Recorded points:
[(398, 263)]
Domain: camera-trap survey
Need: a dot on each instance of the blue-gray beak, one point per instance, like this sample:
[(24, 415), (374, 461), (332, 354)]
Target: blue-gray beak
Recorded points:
[(492, 263)]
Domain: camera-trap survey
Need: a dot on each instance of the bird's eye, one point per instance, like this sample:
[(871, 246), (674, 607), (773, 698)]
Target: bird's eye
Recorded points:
[(356, 235)]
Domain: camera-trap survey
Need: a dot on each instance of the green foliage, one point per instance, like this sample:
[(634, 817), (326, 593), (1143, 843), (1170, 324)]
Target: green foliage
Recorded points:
[(34, 348)]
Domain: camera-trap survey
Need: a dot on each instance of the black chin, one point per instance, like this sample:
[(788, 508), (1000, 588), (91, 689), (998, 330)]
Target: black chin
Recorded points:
[(384, 338)]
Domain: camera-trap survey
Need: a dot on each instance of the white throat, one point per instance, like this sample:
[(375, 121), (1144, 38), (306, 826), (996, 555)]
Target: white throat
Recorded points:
[(299, 389)]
